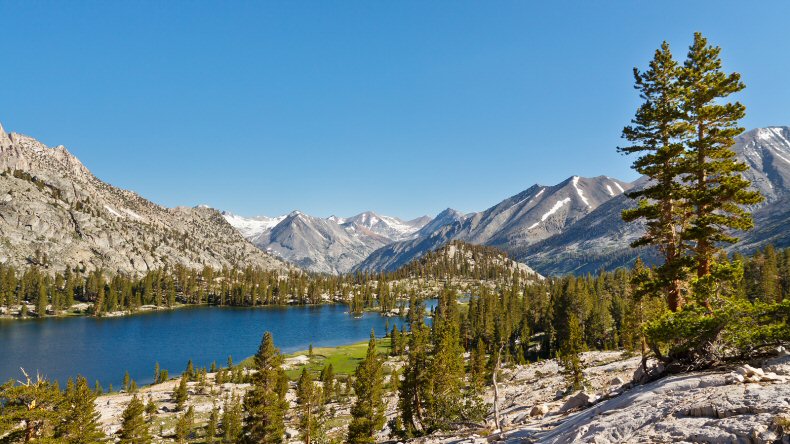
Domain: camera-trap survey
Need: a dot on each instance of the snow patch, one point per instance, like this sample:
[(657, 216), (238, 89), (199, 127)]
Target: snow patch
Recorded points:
[(618, 186), (132, 214), (609, 190), (555, 208), (579, 190), (252, 226), (112, 211)]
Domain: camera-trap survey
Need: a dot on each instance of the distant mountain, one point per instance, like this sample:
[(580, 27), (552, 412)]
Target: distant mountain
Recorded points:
[(601, 239), (331, 245), (55, 214), (536, 213)]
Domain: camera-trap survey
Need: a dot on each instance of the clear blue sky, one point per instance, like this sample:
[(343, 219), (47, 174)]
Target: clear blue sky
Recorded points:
[(339, 107)]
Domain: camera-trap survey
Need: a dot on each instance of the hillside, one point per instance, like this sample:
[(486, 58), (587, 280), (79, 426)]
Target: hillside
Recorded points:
[(55, 213)]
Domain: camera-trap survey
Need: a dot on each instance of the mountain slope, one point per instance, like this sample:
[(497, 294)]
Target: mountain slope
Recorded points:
[(534, 214), (54, 213)]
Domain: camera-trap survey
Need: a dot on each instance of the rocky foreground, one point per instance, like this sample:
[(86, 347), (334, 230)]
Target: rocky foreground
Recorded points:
[(746, 403)]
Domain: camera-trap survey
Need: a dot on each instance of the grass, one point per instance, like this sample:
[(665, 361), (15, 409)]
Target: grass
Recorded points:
[(344, 358)]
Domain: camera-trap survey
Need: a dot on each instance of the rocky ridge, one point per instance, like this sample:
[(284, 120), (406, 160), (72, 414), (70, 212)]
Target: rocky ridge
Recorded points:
[(55, 213)]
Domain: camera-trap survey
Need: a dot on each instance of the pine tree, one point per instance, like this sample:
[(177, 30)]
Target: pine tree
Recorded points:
[(265, 403), (657, 135), (444, 405), (308, 399), (184, 425), (134, 429), (716, 188), (33, 403), (80, 422), (412, 395), (181, 393), (232, 421), (569, 354), (211, 426), (368, 410), (328, 382)]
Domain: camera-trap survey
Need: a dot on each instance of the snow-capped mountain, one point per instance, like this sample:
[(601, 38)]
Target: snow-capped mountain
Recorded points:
[(537, 213), (324, 245), (576, 225), (601, 239)]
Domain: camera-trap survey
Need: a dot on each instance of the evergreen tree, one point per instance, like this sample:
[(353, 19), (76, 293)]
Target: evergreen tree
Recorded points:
[(80, 421), (184, 425), (181, 393), (308, 399), (211, 426), (716, 187), (265, 402), (412, 395), (657, 135), (444, 404), (328, 382), (134, 429), (368, 410), (232, 421), (33, 403), (569, 354)]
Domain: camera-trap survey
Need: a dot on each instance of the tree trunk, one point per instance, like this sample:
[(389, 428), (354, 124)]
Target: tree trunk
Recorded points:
[(497, 419)]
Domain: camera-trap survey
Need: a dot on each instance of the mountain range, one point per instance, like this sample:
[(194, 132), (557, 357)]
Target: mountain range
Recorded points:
[(325, 245), (55, 213), (571, 227)]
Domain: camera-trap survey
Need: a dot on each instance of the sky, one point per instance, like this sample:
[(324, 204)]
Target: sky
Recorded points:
[(337, 107)]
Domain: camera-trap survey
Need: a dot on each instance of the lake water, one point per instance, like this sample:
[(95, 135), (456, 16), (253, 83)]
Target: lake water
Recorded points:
[(104, 348)]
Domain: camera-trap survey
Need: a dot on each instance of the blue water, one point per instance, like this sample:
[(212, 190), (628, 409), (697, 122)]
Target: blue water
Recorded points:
[(103, 349)]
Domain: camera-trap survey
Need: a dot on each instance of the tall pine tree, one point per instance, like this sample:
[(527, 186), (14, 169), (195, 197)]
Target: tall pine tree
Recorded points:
[(265, 403), (716, 188), (656, 133), (368, 409)]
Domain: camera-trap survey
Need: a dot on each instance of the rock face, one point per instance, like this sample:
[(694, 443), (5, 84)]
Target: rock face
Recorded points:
[(54, 213), (698, 407)]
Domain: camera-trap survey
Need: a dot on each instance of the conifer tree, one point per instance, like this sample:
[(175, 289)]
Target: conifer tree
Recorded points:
[(444, 404), (134, 429), (310, 408), (181, 393), (265, 402), (33, 403), (368, 410), (568, 355), (211, 426), (716, 188), (328, 382), (412, 395), (80, 421), (656, 133), (184, 425), (232, 421)]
